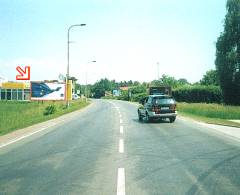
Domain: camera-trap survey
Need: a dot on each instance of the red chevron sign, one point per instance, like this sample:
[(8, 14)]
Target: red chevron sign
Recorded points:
[(24, 74)]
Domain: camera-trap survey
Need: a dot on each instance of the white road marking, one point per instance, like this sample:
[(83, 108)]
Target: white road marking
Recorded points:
[(25, 136), (121, 146), (121, 182), (121, 129), (121, 171)]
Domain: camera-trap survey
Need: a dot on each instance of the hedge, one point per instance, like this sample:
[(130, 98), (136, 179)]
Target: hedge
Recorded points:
[(198, 94), (137, 97)]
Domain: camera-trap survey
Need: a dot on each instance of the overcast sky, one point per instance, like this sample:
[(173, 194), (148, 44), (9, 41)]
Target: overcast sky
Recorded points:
[(125, 38)]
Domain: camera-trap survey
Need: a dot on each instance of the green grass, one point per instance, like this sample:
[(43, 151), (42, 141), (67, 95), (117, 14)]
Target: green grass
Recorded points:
[(211, 113), (15, 115)]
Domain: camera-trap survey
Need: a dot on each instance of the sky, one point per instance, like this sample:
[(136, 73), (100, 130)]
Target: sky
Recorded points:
[(126, 38)]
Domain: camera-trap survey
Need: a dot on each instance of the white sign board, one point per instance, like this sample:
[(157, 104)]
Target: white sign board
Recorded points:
[(47, 91)]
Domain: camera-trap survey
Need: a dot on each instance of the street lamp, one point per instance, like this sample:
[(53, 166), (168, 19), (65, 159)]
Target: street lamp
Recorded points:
[(67, 76), (93, 61)]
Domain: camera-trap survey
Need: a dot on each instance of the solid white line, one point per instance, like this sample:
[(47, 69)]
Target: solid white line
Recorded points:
[(121, 129), (120, 121), (121, 182), (121, 146), (25, 136), (120, 116)]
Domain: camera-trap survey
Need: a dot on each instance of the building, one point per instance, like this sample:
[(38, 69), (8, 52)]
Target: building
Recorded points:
[(124, 88), (15, 91), (116, 92)]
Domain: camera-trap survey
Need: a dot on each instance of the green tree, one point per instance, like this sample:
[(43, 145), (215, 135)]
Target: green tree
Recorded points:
[(138, 89), (98, 92), (170, 81), (99, 88), (156, 83), (78, 87), (182, 82), (210, 78), (228, 54), (136, 83)]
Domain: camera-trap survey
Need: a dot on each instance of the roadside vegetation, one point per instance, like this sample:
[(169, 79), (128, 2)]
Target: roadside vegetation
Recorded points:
[(211, 113), (211, 110), (15, 115), (203, 100)]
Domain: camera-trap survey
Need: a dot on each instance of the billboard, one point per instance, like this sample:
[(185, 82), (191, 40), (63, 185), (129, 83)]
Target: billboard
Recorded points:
[(47, 91)]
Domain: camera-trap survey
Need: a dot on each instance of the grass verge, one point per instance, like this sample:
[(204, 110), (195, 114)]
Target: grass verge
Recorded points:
[(211, 113), (15, 115)]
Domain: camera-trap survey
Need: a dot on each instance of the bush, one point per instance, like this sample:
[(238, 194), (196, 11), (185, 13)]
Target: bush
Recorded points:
[(124, 96), (198, 94), (51, 109), (138, 89), (138, 97)]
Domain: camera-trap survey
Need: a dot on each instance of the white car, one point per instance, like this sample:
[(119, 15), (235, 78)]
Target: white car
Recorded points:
[(75, 96)]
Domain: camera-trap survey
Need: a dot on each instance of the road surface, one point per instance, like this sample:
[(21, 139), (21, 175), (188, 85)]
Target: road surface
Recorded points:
[(106, 150)]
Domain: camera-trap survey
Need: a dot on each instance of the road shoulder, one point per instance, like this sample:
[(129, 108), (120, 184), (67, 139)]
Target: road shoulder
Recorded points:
[(233, 132)]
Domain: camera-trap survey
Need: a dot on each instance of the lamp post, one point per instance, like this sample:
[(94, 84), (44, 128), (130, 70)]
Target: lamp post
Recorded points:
[(67, 76), (86, 93)]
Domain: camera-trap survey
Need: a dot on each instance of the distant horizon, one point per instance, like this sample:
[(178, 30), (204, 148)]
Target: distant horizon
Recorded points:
[(61, 81)]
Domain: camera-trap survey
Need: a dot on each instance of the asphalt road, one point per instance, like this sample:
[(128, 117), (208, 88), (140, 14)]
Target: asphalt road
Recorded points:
[(105, 150)]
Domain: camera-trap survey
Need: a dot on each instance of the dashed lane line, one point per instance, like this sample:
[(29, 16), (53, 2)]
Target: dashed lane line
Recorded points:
[(121, 182), (121, 171), (121, 129), (121, 146)]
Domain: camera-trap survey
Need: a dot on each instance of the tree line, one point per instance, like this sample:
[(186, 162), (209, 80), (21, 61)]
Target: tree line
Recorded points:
[(206, 90)]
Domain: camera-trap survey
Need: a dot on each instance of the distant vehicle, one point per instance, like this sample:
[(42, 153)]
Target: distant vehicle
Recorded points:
[(157, 107), (75, 96), (160, 90)]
